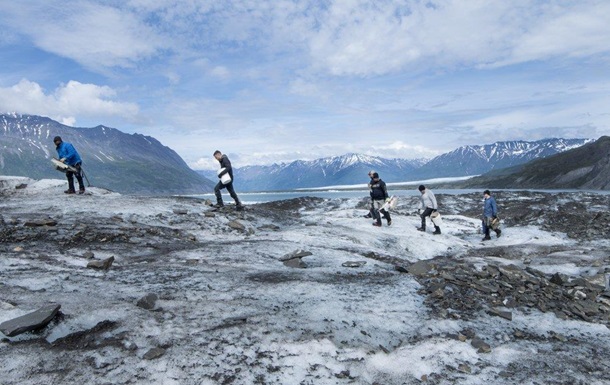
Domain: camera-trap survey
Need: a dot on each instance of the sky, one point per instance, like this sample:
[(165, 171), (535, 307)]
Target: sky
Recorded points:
[(275, 81)]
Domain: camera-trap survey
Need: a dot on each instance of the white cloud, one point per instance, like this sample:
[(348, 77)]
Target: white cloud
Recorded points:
[(220, 72), (280, 80), (92, 34), (66, 103), (365, 38)]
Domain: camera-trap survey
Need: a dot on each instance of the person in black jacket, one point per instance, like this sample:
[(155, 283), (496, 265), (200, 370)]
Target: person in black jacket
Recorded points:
[(226, 164), (370, 213), (379, 195)]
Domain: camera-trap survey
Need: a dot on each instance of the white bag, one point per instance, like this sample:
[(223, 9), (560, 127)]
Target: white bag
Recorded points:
[(226, 178)]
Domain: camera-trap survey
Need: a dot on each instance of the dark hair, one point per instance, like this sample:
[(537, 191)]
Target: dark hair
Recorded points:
[(421, 187), (486, 192), (375, 175), (217, 152), (57, 139)]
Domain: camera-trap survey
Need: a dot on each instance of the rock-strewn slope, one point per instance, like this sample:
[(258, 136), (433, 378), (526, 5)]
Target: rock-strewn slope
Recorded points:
[(194, 295)]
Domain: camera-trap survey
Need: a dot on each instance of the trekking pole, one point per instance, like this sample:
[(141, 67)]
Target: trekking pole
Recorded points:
[(85, 175)]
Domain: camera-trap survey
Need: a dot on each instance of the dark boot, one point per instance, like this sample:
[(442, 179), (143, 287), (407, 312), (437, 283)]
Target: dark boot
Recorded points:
[(423, 228), (487, 237), (437, 230), (498, 232), (70, 177)]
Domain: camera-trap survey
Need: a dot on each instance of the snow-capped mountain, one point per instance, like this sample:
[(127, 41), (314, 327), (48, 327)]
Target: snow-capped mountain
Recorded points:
[(585, 167), (111, 159), (352, 169), (337, 170), (475, 160)]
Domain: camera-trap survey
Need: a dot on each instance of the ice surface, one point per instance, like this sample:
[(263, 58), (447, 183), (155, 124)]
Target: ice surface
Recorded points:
[(229, 311)]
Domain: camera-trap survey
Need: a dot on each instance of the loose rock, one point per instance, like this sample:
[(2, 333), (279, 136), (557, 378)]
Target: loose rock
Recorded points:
[(148, 301), (31, 321), (103, 264)]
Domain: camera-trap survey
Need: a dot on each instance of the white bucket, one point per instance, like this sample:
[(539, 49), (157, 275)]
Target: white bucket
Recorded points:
[(226, 178), (436, 218)]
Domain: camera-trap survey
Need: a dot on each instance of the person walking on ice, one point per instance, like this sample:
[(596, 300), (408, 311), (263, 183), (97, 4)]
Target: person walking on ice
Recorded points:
[(225, 166), (428, 206), (371, 208), (379, 196), (68, 155), (490, 215)]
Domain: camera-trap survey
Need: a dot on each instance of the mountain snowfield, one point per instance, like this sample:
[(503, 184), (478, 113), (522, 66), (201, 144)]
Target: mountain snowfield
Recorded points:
[(230, 312)]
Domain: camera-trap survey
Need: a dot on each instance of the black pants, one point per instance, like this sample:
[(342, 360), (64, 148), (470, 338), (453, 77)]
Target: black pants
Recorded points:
[(377, 212), (230, 189), (425, 214), (79, 177)]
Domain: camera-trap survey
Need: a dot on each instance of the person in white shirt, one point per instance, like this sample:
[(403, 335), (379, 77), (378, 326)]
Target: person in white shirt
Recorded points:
[(428, 206)]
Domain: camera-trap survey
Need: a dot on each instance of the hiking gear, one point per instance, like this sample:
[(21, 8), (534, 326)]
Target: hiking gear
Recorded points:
[(70, 191), (376, 224), (437, 231), (389, 222), (421, 229), (369, 215), (487, 238), (498, 232), (81, 191)]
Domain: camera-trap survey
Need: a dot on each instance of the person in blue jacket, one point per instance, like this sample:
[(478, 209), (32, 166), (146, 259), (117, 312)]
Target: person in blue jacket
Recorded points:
[(68, 155), (490, 212)]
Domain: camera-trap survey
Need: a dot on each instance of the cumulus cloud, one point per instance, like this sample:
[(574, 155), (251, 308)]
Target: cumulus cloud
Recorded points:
[(66, 103), (95, 35), (298, 79), (365, 38)]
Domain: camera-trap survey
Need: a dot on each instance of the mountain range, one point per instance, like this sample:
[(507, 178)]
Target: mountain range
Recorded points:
[(338, 170), (132, 164), (585, 167), (352, 169), (138, 164)]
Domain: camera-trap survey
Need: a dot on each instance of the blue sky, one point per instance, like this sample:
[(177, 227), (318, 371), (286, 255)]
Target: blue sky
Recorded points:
[(275, 81)]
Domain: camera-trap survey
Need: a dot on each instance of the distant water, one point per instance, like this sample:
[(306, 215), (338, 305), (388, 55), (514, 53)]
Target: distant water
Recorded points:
[(262, 197)]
